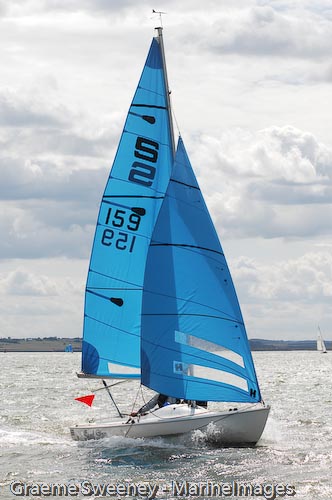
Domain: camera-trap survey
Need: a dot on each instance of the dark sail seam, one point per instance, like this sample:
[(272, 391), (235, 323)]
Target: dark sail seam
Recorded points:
[(194, 302), (148, 106), (132, 196), (184, 245), (113, 278), (199, 315), (111, 288), (110, 326), (185, 184)]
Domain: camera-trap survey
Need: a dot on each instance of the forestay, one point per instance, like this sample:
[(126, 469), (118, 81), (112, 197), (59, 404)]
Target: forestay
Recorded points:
[(194, 342)]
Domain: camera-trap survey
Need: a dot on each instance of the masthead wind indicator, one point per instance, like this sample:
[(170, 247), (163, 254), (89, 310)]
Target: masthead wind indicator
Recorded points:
[(160, 14)]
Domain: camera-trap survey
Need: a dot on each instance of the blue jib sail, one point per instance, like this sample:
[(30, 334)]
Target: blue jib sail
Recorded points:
[(194, 343), (128, 211)]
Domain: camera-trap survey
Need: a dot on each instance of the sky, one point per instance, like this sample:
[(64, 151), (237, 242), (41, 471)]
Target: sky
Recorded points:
[(251, 85)]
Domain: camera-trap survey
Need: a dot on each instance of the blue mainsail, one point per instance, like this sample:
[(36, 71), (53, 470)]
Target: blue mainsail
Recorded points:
[(128, 211), (194, 342)]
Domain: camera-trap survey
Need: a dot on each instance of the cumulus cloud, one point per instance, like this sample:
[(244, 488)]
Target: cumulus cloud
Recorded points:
[(264, 30), (38, 179), (71, 75), (38, 304), (275, 182), (21, 282), (52, 173), (287, 298), (25, 280), (35, 126), (44, 231), (276, 153), (17, 112), (318, 73), (67, 6), (283, 280)]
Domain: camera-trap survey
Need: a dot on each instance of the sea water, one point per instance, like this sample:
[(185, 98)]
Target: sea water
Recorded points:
[(37, 408)]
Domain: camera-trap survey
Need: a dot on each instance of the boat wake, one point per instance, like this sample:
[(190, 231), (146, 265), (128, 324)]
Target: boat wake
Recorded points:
[(13, 437)]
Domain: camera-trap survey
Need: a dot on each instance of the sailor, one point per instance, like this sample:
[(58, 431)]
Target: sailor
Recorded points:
[(195, 403), (158, 399)]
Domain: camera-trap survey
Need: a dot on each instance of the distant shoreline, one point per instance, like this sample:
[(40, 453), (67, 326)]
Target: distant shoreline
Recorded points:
[(55, 344)]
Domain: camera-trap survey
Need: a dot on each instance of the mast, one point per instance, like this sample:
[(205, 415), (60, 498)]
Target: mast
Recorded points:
[(161, 44)]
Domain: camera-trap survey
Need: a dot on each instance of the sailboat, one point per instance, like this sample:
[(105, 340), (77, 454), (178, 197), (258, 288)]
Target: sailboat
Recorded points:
[(160, 304), (320, 342)]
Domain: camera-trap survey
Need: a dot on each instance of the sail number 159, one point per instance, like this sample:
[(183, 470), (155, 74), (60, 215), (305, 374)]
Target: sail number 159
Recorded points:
[(122, 240)]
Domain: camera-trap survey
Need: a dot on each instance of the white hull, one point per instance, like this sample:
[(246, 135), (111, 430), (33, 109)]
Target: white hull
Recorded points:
[(238, 426)]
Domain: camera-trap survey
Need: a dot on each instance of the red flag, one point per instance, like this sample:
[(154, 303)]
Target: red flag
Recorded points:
[(88, 400)]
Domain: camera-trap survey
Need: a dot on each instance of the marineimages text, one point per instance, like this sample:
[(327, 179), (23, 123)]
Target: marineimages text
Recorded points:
[(181, 489)]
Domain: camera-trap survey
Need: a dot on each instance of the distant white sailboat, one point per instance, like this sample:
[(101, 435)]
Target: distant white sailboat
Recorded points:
[(320, 343)]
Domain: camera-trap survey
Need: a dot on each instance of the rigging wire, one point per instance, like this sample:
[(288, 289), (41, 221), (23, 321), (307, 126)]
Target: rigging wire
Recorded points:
[(174, 116)]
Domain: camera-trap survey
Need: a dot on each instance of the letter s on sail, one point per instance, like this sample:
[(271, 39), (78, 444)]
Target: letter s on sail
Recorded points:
[(142, 173), (141, 148)]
